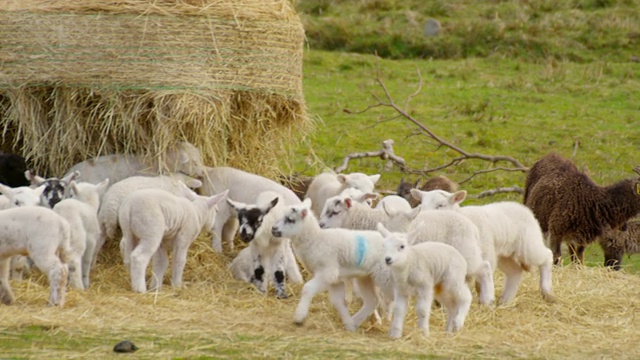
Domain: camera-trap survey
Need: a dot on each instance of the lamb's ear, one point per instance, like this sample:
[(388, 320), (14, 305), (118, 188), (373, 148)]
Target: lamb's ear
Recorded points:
[(307, 203), (458, 196), (374, 178), (73, 176), (271, 205), (193, 183), (102, 186), (213, 200), (389, 210), (417, 194), (73, 188), (413, 213), (383, 230), (348, 202), (342, 178), (369, 196), (33, 178), (186, 192), (39, 190), (235, 204)]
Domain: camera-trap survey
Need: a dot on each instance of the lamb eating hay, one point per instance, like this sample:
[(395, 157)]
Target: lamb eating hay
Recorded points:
[(616, 243), (183, 158), (570, 207), (113, 197), (433, 270), (44, 236), (269, 254), (510, 237), (242, 186), (81, 211), (335, 255), (329, 184), (155, 222)]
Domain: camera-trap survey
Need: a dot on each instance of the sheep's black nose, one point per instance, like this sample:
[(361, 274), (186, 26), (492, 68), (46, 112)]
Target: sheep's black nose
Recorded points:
[(388, 260), (322, 225), (275, 232)]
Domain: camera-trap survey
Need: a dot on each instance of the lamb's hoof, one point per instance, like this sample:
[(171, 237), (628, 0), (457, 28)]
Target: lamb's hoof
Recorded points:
[(282, 295), (395, 333), (549, 298), (125, 346), (7, 299), (298, 323)]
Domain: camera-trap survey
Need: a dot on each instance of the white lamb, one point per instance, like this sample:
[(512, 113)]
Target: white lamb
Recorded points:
[(452, 228), (81, 211), (270, 256), (510, 234), (183, 158), (328, 184), (394, 201), (342, 211), (20, 196), (333, 256), (242, 186), (155, 222), (44, 236), (115, 195), (432, 270)]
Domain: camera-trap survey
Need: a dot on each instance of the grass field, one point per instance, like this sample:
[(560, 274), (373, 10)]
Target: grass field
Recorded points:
[(517, 78)]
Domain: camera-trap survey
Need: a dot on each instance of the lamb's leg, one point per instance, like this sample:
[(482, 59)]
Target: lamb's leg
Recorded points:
[(369, 300), (87, 259), (400, 303), (6, 295), (229, 232), (179, 262), (102, 238), (423, 308), (309, 290), (336, 295), (278, 264), (513, 277), (457, 301), (57, 273), (484, 276), (75, 271), (545, 280), (292, 270), (140, 258), (160, 264), (258, 278)]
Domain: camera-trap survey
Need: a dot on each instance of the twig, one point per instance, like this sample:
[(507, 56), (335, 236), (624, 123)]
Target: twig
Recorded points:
[(386, 153), (502, 190)]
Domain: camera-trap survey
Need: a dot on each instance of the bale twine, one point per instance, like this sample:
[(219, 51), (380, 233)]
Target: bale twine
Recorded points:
[(80, 79)]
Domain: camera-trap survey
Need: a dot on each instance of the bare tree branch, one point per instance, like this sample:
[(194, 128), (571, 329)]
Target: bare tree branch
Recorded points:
[(502, 190), (386, 153)]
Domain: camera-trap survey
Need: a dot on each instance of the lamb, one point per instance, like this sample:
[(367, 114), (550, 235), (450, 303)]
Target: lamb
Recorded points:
[(155, 222), (54, 189), (570, 207), (510, 237), (433, 270), (81, 211), (333, 256), (616, 243), (343, 212), (270, 255), (20, 196), (329, 184), (439, 182), (452, 228), (44, 236), (395, 202), (183, 158), (115, 195), (12, 168), (20, 265), (243, 187)]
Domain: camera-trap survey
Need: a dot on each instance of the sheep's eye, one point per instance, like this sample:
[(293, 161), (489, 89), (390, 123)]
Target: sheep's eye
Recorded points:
[(289, 220), (439, 206), (401, 247), (16, 203), (333, 213)]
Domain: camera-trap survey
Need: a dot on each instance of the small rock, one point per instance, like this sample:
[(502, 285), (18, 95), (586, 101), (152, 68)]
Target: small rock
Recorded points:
[(125, 346), (432, 27)]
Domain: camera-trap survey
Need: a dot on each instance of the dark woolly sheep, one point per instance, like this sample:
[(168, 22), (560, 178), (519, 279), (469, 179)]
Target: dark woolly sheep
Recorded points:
[(439, 182), (12, 168), (570, 206), (616, 243)]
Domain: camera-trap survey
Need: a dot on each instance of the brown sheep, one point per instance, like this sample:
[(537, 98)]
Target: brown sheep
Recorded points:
[(616, 243), (439, 182), (570, 206)]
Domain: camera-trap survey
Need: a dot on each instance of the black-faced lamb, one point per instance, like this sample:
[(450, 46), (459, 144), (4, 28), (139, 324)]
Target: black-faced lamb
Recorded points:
[(155, 222), (570, 207), (54, 190), (271, 256), (431, 270), (617, 242)]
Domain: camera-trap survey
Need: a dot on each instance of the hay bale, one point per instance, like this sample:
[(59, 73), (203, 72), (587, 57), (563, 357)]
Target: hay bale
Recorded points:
[(80, 79)]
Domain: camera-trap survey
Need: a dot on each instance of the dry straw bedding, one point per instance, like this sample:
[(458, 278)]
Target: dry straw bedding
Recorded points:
[(214, 315), (136, 76)]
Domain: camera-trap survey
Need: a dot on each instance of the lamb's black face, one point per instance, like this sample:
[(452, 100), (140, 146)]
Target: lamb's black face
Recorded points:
[(250, 221), (54, 191)]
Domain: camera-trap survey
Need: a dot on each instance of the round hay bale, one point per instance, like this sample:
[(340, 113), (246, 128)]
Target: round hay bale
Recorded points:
[(84, 79)]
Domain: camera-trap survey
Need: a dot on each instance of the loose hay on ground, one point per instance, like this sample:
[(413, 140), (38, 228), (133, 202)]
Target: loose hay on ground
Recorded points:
[(217, 316)]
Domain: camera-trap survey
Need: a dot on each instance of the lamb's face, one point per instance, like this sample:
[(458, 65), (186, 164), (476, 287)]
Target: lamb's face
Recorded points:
[(55, 190), (291, 224), (333, 212), (23, 195), (395, 249), (250, 218), (360, 181), (190, 160)]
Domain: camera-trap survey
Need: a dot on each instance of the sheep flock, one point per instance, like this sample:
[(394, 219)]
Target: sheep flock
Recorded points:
[(353, 284)]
